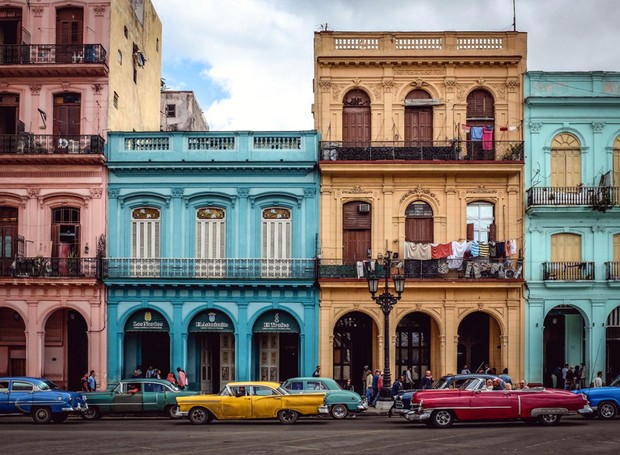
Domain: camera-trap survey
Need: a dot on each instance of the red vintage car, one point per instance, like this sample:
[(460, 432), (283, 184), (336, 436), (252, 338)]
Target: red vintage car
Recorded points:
[(441, 408)]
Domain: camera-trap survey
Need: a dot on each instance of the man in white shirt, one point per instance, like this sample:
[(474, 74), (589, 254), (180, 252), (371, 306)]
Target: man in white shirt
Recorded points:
[(598, 380)]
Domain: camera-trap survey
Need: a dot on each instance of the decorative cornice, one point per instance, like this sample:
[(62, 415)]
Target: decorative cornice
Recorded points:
[(388, 85), (412, 72), (37, 10), (355, 190), (597, 127), (325, 85), (33, 192), (96, 193), (113, 193), (228, 170), (177, 192), (97, 88), (535, 127), (99, 10), (35, 89), (243, 192), (310, 193), (480, 189), (419, 191)]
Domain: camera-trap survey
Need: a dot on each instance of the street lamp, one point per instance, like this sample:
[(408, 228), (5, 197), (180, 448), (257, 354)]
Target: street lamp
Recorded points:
[(386, 301)]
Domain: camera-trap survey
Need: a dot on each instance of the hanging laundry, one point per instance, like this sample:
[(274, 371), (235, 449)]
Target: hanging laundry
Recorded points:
[(500, 248), (492, 250), (484, 249), (419, 251), (512, 128), (476, 133), (474, 249), (441, 250), (503, 128), (513, 247), (487, 138), (466, 128), (360, 269), (455, 260)]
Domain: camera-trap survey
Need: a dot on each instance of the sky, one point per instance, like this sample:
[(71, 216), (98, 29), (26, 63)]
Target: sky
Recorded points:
[(250, 62)]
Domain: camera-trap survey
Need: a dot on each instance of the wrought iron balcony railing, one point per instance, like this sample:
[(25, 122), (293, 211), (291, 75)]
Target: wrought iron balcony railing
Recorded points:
[(612, 271), (454, 150), (44, 267), (36, 54), (568, 271), (595, 196), (448, 269), (210, 269), (44, 144)]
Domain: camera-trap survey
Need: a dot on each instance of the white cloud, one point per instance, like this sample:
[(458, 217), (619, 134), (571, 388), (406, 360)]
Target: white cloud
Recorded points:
[(260, 52)]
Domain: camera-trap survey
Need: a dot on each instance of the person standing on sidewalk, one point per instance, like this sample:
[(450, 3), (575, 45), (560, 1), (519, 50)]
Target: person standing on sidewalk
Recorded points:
[(317, 372), (427, 380), (92, 383), (368, 386), (182, 382)]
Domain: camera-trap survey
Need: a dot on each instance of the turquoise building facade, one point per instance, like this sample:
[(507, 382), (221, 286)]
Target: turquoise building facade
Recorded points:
[(211, 251), (572, 223)]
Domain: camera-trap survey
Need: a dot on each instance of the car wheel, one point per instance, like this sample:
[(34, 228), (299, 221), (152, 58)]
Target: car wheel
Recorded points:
[(442, 418), (607, 410), (199, 416), (287, 416), (60, 417), (92, 413), (41, 415), (549, 419), (339, 411), (172, 411)]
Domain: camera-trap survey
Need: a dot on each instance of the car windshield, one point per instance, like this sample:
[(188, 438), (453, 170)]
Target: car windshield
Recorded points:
[(47, 385), (615, 382), (442, 383)]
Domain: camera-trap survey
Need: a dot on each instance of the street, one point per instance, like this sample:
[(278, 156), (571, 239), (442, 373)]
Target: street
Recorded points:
[(365, 434)]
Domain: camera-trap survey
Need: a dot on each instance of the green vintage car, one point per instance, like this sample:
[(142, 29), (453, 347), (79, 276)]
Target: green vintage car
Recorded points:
[(135, 396), (340, 402)]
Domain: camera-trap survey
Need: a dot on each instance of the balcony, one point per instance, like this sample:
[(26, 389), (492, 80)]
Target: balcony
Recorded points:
[(454, 150), (568, 271), (44, 267), (48, 144), (209, 269), (612, 271), (598, 197), (45, 60), (450, 269)]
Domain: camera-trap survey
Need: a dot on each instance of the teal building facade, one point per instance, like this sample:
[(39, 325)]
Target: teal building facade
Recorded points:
[(572, 224), (211, 252)]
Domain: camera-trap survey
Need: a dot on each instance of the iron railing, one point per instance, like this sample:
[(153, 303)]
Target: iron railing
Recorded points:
[(594, 196), (449, 269), (454, 150), (45, 144), (37, 267), (36, 54), (612, 271), (568, 271), (210, 269)]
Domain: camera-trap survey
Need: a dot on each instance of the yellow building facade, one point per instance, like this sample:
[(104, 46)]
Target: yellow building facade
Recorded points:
[(404, 169)]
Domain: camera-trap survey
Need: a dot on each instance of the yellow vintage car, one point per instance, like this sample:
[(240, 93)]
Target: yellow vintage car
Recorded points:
[(251, 400)]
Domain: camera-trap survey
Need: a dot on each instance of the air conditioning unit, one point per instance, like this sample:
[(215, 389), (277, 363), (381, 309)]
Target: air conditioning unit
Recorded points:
[(363, 208)]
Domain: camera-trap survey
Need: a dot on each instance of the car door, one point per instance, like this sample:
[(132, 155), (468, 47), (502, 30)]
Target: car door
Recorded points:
[(153, 398), (4, 397), (126, 401), (266, 402), (21, 395), (238, 405), (494, 404)]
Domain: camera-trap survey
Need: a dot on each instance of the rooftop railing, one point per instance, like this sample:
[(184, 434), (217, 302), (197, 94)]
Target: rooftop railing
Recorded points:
[(33, 54), (38, 144), (454, 150)]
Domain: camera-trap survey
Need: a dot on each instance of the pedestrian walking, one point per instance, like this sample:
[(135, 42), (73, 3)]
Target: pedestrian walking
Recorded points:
[(171, 378), (317, 372), (365, 375), (85, 386), (182, 382), (92, 383), (598, 380)]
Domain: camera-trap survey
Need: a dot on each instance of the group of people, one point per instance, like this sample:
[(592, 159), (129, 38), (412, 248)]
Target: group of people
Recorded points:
[(500, 384), (569, 377), (151, 372), (89, 383)]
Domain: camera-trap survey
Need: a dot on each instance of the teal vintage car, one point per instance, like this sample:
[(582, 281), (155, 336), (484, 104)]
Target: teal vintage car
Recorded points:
[(135, 396), (340, 402)]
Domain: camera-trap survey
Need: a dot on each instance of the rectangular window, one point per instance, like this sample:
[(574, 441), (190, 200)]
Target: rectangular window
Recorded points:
[(171, 110)]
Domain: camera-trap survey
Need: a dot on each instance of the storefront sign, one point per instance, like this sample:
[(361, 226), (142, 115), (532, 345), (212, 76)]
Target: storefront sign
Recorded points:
[(276, 321), (146, 321), (211, 321)]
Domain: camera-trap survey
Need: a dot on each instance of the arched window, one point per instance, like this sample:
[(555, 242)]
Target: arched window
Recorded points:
[(356, 235), (419, 223), (145, 228), (418, 118), (565, 161), (210, 240), (356, 118), (276, 232), (481, 120), (480, 221)]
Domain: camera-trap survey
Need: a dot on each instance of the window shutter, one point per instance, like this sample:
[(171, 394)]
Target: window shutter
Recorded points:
[(492, 232), (55, 240), (470, 231), (78, 241)]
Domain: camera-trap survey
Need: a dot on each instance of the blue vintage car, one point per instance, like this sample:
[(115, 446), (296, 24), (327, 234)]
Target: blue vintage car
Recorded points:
[(39, 398), (402, 401), (340, 402), (604, 401)]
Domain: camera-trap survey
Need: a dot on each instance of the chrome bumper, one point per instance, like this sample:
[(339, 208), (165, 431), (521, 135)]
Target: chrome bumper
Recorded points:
[(362, 407), (323, 409), (182, 413), (413, 416), (78, 408), (587, 409)]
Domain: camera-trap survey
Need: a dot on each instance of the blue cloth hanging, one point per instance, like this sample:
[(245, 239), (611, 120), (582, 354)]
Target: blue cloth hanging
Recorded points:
[(476, 133)]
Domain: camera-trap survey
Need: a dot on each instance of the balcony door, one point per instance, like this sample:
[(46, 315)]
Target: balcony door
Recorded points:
[(356, 119), (10, 35), (8, 238), (276, 242), (419, 223), (356, 234), (480, 114), (145, 239), (210, 241), (67, 109), (565, 255), (565, 161), (69, 34), (9, 115), (418, 119), (616, 163)]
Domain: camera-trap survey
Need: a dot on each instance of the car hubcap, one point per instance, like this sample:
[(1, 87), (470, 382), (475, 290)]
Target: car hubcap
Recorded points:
[(549, 418), (443, 418), (339, 412), (287, 415), (199, 416), (607, 411)]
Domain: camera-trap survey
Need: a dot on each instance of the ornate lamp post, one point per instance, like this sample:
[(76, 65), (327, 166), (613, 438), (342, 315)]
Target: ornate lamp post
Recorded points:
[(386, 301)]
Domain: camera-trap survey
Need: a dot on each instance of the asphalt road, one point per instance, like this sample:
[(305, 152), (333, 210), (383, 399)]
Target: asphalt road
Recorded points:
[(365, 434)]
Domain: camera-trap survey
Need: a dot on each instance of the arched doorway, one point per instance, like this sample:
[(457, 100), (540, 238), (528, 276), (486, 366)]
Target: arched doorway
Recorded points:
[(413, 345), (418, 119), (612, 360), (479, 342), (211, 356), (66, 348), (12, 343), (353, 335), (563, 341), (147, 342), (276, 346), (356, 119)]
